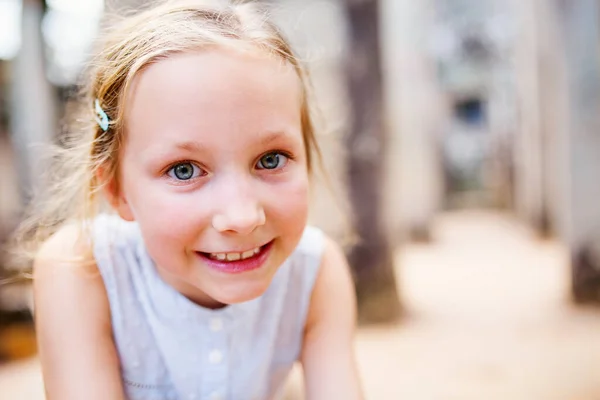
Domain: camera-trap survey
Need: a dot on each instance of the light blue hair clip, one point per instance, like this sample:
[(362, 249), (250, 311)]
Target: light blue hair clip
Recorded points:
[(102, 118)]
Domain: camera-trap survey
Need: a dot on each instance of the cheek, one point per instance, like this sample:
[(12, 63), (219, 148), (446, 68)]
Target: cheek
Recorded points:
[(167, 216), (288, 207)]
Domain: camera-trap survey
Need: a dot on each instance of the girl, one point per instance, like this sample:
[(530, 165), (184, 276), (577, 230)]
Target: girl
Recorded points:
[(204, 282)]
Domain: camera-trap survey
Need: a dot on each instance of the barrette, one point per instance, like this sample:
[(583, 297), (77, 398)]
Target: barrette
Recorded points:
[(102, 117)]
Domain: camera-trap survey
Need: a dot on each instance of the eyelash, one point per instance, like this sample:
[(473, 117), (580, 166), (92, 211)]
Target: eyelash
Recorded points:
[(278, 152), (286, 154), (184, 181)]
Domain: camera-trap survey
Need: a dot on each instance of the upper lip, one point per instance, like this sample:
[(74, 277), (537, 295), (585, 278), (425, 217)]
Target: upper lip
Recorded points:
[(236, 251)]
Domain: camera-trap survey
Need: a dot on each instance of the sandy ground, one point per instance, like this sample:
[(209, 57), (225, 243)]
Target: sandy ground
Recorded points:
[(488, 317)]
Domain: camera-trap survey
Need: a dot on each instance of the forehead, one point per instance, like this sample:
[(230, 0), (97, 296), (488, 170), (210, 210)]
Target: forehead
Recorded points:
[(213, 92)]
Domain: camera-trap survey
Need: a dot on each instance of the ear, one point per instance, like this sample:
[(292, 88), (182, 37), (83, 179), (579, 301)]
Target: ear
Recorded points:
[(115, 196)]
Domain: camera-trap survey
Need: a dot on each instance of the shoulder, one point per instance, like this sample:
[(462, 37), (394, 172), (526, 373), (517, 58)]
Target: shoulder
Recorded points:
[(68, 250), (334, 269), (79, 250), (65, 277), (72, 312), (305, 262), (333, 294), (325, 258), (312, 242), (327, 355), (68, 244), (75, 242)]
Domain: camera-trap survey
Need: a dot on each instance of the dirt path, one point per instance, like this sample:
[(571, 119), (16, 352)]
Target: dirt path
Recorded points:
[(490, 318)]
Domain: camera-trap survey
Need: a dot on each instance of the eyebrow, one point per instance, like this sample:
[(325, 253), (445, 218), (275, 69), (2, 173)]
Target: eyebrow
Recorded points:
[(270, 137), (190, 146), (274, 136)]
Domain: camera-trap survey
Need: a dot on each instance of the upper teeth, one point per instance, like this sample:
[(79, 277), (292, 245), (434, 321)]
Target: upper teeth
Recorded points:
[(235, 256)]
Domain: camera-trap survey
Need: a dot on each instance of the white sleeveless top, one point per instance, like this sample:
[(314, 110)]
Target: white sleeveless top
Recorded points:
[(171, 348)]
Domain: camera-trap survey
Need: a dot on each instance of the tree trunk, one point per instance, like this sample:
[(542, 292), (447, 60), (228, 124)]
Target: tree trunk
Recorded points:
[(581, 33), (371, 258), (33, 112)]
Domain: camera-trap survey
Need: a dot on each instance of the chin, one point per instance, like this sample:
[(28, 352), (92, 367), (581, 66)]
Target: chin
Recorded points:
[(241, 295)]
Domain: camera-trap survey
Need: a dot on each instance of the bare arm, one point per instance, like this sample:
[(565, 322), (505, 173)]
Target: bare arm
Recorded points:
[(78, 356), (328, 356)]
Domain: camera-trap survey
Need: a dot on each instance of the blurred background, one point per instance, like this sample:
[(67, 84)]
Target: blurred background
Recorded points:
[(465, 135)]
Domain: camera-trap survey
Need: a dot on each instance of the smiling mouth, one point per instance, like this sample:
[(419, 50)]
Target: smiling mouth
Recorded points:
[(235, 263), (235, 256)]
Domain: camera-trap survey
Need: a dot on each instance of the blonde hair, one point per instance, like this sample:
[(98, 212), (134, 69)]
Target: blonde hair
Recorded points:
[(126, 47)]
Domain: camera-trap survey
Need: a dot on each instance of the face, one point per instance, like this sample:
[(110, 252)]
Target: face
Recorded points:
[(213, 169)]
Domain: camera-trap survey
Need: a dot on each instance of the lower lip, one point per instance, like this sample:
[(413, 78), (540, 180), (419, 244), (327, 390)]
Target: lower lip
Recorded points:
[(239, 266)]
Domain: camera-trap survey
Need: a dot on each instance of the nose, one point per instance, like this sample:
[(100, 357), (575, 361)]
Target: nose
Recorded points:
[(242, 219), (239, 212)]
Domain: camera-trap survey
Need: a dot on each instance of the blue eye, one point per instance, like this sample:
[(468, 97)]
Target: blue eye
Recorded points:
[(272, 160), (184, 171)]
